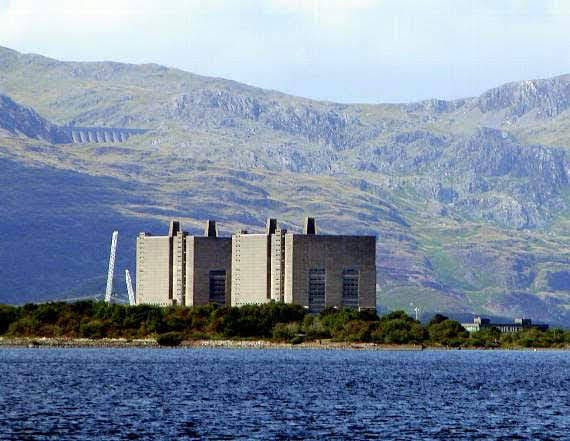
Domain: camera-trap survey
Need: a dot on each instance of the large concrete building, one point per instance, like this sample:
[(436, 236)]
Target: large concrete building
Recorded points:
[(180, 269), (316, 271)]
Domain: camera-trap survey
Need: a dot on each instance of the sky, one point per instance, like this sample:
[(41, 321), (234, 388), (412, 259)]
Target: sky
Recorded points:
[(338, 50)]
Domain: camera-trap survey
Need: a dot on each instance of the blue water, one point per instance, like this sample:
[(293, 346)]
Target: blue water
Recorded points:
[(122, 394)]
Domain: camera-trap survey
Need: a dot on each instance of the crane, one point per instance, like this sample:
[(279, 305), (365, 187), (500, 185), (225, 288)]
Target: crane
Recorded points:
[(109, 290), (130, 287)]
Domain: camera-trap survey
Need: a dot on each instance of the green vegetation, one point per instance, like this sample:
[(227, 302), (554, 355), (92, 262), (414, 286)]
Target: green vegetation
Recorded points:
[(275, 321)]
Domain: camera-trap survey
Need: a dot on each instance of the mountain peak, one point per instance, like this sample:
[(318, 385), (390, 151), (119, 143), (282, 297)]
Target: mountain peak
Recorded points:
[(546, 97)]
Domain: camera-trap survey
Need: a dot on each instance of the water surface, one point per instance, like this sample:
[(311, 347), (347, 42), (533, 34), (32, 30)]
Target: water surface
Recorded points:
[(121, 394)]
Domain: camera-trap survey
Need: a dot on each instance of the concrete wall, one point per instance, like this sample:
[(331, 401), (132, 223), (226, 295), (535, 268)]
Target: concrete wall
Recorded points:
[(154, 275), (334, 254), (250, 269), (205, 254)]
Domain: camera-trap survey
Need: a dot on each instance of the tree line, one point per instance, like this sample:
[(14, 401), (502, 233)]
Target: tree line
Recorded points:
[(272, 321)]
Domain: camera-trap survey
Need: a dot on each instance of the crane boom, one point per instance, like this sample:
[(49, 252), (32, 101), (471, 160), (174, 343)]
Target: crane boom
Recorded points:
[(109, 290), (130, 287)]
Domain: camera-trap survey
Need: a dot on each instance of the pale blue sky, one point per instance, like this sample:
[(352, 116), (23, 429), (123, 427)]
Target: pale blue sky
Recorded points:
[(340, 50)]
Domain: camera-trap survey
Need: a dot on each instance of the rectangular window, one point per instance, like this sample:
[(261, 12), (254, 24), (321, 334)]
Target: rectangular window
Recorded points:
[(317, 288), (218, 287), (350, 288)]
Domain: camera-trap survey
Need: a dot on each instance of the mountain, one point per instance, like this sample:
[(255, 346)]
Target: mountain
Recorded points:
[(469, 198)]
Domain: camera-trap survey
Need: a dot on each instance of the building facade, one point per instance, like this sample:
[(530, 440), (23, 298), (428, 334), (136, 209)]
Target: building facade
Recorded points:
[(208, 270), (180, 269), (312, 270), (330, 271), (518, 324), (154, 270)]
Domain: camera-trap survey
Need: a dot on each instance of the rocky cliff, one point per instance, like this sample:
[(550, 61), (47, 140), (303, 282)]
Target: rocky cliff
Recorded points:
[(20, 120)]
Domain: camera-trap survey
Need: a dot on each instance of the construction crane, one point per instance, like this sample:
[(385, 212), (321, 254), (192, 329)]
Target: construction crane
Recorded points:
[(109, 290), (130, 287)]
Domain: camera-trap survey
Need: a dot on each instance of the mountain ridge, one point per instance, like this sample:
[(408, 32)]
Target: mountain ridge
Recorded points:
[(471, 207)]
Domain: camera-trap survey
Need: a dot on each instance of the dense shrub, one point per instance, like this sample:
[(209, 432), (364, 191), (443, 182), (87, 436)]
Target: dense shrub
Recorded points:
[(446, 332), (399, 328), (314, 328), (273, 320), (358, 330), (8, 315), (255, 320), (170, 339), (286, 331), (92, 329), (487, 337)]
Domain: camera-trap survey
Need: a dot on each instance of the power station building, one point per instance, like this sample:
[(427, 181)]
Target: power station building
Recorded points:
[(180, 269), (316, 271)]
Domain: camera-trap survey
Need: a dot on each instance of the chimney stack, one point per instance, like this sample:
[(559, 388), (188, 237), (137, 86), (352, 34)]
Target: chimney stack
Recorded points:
[(174, 228), (310, 226), (271, 226), (211, 229)]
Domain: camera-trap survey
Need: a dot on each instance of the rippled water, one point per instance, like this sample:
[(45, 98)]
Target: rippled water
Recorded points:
[(111, 394)]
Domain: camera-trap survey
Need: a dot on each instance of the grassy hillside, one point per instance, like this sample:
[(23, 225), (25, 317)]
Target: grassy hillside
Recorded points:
[(469, 199)]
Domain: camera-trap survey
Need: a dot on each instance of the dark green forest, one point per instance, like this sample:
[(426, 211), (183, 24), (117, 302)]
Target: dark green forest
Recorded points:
[(273, 321)]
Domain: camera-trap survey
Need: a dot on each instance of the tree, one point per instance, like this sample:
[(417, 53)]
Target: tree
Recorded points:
[(446, 332), (399, 328), (8, 315), (438, 318), (486, 337)]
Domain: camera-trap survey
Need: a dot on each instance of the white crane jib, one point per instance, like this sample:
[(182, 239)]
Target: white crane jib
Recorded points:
[(109, 290), (130, 287)]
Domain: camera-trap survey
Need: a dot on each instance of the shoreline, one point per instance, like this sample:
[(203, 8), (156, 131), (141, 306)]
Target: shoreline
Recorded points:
[(123, 343), (118, 343)]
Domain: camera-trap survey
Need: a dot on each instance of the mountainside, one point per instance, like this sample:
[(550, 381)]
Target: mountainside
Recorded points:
[(469, 198), (18, 120)]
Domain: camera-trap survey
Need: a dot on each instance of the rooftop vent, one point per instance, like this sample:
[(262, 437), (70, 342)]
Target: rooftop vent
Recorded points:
[(211, 229), (310, 226), (174, 228), (271, 226)]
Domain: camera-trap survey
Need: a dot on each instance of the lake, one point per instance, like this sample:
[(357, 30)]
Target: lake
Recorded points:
[(174, 394)]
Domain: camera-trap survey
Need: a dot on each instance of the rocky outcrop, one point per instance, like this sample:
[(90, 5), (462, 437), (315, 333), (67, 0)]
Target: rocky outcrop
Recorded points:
[(19, 120), (488, 174), (315, 122), (547, 98)]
